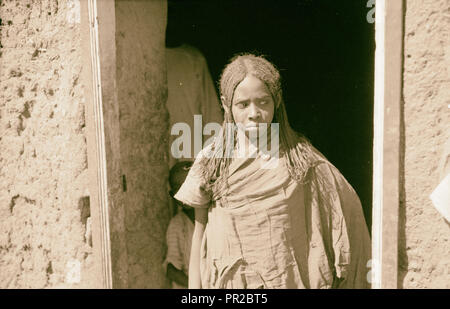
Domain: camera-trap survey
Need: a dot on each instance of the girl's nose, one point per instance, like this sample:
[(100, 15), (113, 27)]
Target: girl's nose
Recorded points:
[(253, 112)]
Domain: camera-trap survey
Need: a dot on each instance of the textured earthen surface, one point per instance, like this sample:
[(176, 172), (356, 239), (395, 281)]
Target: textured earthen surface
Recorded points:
[(142, 93), (44, 204), (424, 246)]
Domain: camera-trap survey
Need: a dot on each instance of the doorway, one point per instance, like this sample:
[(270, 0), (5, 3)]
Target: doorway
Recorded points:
[(325, 52)]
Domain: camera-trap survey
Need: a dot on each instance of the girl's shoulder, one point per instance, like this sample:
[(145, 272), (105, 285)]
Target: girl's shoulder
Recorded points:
[(206, 151), (197, 168), (328, 175)]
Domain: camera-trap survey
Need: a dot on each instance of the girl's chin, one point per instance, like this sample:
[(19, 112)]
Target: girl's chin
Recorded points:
[(251, 129)]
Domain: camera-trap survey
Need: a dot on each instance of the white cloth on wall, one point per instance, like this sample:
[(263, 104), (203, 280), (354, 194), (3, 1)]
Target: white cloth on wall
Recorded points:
[(191, 92), (441, 198), (441, 195)]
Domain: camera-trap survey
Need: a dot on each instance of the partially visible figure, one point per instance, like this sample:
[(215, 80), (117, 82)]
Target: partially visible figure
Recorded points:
[(191, 89), (180, 231), (190, 92)]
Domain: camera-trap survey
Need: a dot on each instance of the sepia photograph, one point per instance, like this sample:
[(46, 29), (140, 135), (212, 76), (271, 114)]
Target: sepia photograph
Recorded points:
[(199, 145)]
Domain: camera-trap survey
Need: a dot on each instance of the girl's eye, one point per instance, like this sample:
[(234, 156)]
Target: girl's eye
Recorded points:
[(264, 101)]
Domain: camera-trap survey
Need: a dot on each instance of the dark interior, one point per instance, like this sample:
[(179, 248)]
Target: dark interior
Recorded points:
[(324, 50)]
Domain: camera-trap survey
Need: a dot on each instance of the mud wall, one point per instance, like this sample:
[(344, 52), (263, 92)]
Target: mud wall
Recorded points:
[(45, 239), (143, 117), (424, 246)]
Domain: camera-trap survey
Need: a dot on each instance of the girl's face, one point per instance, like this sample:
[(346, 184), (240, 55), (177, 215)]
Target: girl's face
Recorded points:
[(252, 104)]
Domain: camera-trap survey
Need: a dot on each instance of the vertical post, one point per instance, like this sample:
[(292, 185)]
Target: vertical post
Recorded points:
[(387, 115), (97, 141)]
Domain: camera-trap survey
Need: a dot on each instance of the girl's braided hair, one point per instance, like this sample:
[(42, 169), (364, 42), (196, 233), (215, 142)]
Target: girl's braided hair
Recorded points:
[(295, 147)]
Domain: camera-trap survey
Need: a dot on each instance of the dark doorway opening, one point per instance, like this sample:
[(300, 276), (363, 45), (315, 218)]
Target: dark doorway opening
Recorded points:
[(325, 52)]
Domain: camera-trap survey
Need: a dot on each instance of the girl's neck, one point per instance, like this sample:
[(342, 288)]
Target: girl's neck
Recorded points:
[(251, 144)]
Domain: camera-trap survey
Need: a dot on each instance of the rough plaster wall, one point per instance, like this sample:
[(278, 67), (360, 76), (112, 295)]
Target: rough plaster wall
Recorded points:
[(424, 260), (142, 93), (43, 159)]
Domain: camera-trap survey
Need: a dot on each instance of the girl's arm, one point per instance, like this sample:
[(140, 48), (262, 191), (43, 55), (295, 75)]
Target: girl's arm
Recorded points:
[(201, 218)]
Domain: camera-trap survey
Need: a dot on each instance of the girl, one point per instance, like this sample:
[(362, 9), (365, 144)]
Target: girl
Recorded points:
[(294, 224)]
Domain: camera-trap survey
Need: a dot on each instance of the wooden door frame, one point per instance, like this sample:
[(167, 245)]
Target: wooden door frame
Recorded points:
[(389, 24), (98, 49)]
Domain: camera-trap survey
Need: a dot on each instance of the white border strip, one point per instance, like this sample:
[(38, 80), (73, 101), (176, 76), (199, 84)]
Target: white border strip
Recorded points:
[(100, 143), (377, 211)]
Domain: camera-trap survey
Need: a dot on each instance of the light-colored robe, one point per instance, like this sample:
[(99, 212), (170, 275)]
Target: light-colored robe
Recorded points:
[(269, 231)]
